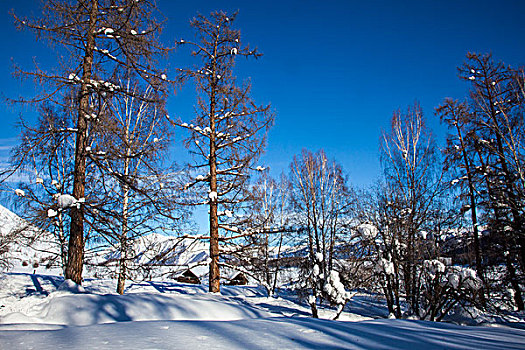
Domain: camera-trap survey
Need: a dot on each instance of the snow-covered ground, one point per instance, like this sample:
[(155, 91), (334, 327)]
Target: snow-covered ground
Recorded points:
[(43, 312), (38, 310)]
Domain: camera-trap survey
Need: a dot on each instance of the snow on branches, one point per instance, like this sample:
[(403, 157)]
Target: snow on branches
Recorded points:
[(228, 132), (326, 284)]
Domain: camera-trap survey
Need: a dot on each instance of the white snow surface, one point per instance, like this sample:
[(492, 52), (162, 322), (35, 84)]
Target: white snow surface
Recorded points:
[(44, 312), (40, 310)]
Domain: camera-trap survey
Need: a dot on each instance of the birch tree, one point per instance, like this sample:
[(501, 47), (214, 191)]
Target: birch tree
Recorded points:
[(135, 183), (414, 185), (270, 222), (321, 201)]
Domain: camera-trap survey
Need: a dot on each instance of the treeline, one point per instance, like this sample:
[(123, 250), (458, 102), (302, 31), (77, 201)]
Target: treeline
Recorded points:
[(442, 228)]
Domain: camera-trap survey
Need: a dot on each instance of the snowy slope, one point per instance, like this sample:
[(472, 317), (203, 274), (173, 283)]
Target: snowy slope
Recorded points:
[(8, 220), (269, 333), (23, 254), (156, 250), (35, 314), (41, 311)]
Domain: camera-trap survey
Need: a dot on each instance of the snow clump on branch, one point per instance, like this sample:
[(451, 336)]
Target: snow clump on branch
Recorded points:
[(67, 201)]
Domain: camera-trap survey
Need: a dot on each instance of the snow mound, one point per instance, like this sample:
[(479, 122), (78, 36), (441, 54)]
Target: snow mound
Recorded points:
[(71, 287), (180, 316)]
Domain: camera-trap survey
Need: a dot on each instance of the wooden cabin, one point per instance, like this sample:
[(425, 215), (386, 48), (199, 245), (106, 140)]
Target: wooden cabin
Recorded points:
[(238, 280), (188, 277)]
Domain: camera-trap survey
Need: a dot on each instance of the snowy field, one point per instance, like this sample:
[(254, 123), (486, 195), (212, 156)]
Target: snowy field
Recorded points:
[(42, 312)]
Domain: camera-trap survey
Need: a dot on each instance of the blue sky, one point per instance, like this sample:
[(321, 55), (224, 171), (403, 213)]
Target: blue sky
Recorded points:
[(334, 71)]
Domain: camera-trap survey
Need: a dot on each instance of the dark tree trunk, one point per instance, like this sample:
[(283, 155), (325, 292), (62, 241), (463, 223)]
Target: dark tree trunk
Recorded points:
[(76, 236), (473, 212), (215, 277)]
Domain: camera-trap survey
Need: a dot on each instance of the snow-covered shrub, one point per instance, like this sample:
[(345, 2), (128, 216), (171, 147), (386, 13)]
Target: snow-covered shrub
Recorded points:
[(444, 286), (325, 284), (367, 231)]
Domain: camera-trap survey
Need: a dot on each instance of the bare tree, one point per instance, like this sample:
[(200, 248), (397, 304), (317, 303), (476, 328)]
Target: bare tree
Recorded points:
[(44, 160), (414, 186), (95, 37), (228, 133), (269, 221), (321, 201), (136, 191), (459, 154), (488, 143)]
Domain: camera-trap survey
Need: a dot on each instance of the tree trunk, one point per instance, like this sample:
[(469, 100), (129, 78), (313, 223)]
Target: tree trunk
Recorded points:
[(278, 258), (122, 267), (123, 240), (473, 207), (313, 307), (63, 243), (214, 277), (125, 214), (474, 217), (518, 298), (76, 235)]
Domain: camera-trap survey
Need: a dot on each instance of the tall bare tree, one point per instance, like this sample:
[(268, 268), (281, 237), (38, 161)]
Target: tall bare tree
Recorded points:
[(135, 182), (490, 130), (95, 37), (228, 133), (460, 154), (414, 184), (269, 220)]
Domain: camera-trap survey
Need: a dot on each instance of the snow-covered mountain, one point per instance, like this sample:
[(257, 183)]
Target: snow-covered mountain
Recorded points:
[(158, 249), (156, 255), (23, 247), (38, 251)]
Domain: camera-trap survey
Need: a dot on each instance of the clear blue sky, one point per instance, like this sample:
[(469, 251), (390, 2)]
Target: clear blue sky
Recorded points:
[(334, 71)]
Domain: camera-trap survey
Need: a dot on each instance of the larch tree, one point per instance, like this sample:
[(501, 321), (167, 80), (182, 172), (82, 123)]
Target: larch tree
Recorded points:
[(495, 109), (227, 134), (460, 157), (94, 38)]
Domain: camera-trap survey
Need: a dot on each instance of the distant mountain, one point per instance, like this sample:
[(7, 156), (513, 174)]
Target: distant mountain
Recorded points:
[(156, 255), (152, 256), (23, 247)]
